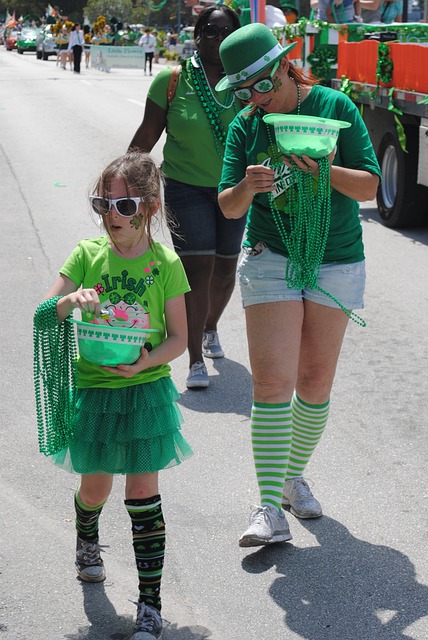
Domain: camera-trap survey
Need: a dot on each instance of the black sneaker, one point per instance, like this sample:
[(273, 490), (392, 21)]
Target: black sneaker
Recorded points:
[(89, 565), (149, 623)]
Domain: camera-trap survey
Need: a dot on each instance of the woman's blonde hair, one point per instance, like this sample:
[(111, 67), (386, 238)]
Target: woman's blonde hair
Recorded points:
[(139, 173)]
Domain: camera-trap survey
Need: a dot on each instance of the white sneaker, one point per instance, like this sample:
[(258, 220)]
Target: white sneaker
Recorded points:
[(299, 498), (198, 376), (211, 347), (267, 525)]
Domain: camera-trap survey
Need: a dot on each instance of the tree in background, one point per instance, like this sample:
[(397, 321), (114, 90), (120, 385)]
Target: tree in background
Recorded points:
[(73, 9), (120, 9)]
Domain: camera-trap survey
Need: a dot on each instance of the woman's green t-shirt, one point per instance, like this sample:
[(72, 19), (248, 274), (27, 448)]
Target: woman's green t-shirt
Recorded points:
[(190, 154), (249, 143)]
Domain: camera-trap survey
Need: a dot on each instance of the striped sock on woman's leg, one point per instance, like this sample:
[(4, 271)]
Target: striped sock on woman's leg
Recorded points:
[(271, 441)]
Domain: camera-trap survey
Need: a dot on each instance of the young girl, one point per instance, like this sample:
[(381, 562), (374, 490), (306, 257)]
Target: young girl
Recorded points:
[(126, 418)]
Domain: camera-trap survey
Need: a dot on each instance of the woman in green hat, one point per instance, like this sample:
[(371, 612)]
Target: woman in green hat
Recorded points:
[(299, 272)]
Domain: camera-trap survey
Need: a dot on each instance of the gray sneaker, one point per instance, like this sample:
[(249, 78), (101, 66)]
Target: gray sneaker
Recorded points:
[(89, 564), (149, 623), (211, 347), (267, 525), (198, 376), (299, 498)]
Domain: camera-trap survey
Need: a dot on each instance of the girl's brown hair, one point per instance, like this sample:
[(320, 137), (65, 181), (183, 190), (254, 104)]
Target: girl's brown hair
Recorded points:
[(139, 172)]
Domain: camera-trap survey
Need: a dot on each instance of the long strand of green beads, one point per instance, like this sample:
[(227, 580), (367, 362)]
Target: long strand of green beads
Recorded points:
[(55, 378), (309, 227)]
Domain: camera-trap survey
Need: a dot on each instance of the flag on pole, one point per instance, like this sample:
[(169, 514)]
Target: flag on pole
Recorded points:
[(258, 11), (10, 20), (50, 11)]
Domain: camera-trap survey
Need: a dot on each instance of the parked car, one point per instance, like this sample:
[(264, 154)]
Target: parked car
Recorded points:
[(46, 43), (27, 40), (10, 39)]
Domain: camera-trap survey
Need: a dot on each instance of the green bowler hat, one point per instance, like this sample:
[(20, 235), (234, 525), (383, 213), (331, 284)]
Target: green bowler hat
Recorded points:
[(247, 52), (288, 4)]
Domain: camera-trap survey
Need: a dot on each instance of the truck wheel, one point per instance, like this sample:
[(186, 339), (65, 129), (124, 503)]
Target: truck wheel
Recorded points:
[(401, 202), (20, 51)]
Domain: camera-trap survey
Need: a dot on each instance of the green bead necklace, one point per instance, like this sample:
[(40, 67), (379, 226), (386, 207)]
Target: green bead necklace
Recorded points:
[(55, 378), (309, 212), (212, 106)]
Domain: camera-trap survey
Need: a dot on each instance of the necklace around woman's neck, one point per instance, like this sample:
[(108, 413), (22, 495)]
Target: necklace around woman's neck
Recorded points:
[(212, 107), (212, 93), (298, 98)]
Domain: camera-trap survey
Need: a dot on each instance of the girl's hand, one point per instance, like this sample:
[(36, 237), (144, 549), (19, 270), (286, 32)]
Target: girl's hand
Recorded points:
[(86, 300), (130, 370), (259, 179)]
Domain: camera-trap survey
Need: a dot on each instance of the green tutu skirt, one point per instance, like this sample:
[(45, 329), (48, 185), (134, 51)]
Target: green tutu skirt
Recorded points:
[(129, 430)]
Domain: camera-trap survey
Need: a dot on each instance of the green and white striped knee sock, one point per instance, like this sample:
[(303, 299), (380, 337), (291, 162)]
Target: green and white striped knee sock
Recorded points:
[(309, 421), (271, 440)]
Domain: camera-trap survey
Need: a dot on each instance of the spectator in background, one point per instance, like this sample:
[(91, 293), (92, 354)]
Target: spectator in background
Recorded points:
[(87, 36), (289, 9), (173, 41), (314, 10), (370, 11), (148, 41), (392, 11), (381, 11), (76, 44), (62, 42), (340, 11), (157, 46)]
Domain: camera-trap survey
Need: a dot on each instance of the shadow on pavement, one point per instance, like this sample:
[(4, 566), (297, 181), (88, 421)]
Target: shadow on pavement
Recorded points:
[(419, 235), (343, 589), (173, 632), (104, 622), (229, 392)]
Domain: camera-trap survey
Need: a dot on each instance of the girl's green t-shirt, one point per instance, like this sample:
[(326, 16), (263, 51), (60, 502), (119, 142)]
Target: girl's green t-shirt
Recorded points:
[(249, 143), (137, 287), (190, 154)]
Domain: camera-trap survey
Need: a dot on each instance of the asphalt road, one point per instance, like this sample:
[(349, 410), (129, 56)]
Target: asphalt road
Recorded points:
[(358, 573)]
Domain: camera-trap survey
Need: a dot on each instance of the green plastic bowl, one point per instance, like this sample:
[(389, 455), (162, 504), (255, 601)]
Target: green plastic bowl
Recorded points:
[(110, 346), (305, 135)]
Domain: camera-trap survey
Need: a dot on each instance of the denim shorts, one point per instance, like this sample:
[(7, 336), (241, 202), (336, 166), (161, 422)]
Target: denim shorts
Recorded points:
[(198, 225), (261, 275)]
